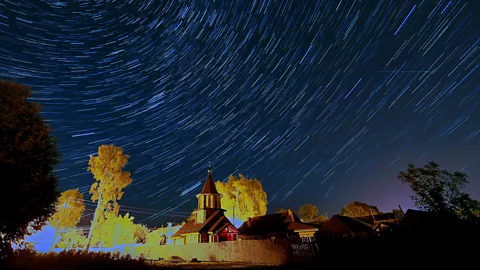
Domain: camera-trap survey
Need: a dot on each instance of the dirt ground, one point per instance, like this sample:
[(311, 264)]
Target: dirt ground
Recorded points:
[(206, 265), (231, 265)]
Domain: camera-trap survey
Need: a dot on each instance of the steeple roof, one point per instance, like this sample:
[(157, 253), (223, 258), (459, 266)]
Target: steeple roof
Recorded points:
[(209, 186)]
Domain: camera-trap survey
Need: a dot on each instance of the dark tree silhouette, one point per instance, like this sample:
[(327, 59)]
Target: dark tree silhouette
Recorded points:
[(28, 154), (476, 211), (439, 191)]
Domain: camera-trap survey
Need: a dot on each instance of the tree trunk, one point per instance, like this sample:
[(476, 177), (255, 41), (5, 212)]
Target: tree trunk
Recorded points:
[(116, 236), (94, 222), (54, 236)]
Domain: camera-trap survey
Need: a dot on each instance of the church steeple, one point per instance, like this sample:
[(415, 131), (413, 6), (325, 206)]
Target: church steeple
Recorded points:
[(209, 200), (209, 186)]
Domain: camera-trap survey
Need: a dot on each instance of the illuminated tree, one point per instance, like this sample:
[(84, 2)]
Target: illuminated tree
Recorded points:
[(154, 238), (322, 218), (107, 189), (359, 209), (28, 154), (308, 212), (69, 210), (140, 234), (439, 191), (161, 236), (117, 231), (282, 210), (73, 238), (242, 197)]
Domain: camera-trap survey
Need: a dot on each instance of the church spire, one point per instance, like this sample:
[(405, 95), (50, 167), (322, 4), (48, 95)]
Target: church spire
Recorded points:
[(208, 200), (209, 186)]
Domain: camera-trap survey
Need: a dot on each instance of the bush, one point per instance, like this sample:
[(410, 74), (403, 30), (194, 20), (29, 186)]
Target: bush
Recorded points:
[(176, 259), (70, 260)]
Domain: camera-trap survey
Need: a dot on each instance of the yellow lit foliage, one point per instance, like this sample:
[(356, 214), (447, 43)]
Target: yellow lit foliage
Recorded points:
[(160, 235), (359, 209), (242, 197), (121, 230), (155, 237), (73, 238), (140, 234), (69, 209), (308, 212), (107, 171), (107, 189)]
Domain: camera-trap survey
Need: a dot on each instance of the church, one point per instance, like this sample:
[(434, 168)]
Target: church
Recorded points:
[(209, 223)]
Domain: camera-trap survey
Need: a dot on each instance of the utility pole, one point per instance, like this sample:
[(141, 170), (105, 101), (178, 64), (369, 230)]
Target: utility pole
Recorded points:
[(65, 205), (373, 217), (234, 215), (116, 235), (94, 222)]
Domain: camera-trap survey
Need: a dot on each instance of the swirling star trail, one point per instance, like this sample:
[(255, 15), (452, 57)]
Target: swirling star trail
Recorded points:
[(323, 101)]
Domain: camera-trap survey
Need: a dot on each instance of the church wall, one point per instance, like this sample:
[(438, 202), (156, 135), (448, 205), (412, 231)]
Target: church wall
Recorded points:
[(204, 238), (248, 251)]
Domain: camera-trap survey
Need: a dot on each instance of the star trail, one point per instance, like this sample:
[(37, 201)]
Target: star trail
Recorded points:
[(323, 101)]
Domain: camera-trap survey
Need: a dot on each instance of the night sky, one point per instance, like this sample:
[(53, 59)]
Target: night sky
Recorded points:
[(323, 101)]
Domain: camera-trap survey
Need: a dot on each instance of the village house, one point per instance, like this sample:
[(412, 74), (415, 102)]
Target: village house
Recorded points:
[(385, 222), (345, 227), (209, 224), (392, 217), (279, 225)]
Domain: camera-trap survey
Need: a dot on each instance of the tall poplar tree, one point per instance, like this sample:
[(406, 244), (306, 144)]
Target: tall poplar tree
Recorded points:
[(110, 180)]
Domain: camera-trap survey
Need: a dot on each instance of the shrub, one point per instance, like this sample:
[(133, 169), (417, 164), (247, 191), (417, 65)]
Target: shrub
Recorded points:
[(70, 260), (176, 259)]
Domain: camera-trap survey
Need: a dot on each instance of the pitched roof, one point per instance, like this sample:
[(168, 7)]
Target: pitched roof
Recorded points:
[(191, 226), (275, 223), (216, 222), (386, 224), (209, 186), (378, 218), (343, 224), (297, 226)]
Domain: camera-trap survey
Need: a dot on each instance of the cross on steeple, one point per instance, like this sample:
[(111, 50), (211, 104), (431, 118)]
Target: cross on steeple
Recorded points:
[(209, 186)]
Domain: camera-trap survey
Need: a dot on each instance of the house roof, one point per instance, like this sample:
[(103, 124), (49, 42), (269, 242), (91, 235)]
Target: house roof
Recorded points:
[(386, 224), (215, 223), (209, 186), (378, 218), (298, 226), (343, 224), (274, 223)]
